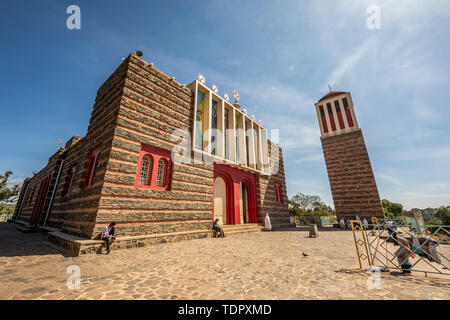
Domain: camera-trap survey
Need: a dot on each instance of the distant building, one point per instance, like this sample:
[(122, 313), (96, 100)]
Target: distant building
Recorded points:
[(428, 214)]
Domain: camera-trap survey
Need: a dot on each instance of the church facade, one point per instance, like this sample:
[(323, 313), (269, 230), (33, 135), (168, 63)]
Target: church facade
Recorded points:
[(160, 159)]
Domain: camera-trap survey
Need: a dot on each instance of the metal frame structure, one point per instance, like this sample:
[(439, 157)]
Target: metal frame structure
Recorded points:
[(374, 241)]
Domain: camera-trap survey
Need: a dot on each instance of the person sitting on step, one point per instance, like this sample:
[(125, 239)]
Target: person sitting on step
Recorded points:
[(217, 229)]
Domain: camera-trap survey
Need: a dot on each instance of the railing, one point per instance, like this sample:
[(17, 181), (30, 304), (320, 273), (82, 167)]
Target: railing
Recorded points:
[(391, 245), (306, 220)]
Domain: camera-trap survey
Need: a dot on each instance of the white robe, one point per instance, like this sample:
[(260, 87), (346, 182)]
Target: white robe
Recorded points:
[(365, 223), (267, 223)]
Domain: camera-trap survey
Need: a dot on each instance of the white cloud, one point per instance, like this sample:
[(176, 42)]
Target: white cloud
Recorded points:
[(347, 63), (390, 179)]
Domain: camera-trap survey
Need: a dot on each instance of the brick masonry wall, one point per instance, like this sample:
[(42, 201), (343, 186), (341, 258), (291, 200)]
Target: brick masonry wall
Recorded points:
[(151, 107), (351, 177), (51, 169), (266, 194)]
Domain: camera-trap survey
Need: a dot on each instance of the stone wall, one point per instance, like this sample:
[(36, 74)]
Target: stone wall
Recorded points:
[(151, 107), (266, 194), (351, 177)]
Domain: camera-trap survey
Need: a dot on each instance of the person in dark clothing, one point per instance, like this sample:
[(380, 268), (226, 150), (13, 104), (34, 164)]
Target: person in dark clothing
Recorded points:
[(217, 229), (108, 234)]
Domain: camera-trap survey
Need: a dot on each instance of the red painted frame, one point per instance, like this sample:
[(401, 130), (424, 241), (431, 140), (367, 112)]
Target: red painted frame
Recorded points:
[(233, 177), (92, 167), (39, 203), (156, 154), (68, 185), (279, 192)]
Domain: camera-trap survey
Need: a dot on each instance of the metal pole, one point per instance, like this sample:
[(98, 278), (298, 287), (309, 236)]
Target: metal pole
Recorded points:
[(53, 192)]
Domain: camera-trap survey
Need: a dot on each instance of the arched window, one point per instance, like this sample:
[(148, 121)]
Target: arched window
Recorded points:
[(153, 169), (146, 170), (161, 175)]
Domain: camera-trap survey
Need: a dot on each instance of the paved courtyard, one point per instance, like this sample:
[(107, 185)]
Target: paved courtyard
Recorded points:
[(266, 265)]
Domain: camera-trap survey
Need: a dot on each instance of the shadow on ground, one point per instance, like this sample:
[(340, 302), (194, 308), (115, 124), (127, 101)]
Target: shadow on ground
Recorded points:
[(14, 243), (402, 277)]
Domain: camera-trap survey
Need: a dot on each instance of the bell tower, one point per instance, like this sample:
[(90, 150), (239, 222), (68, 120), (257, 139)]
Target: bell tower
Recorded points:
[(348, 165)]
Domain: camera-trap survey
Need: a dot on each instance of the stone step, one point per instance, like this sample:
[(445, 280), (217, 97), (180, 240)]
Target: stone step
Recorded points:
[(242, 228), (27, 229), (80, 246), (283, 225)]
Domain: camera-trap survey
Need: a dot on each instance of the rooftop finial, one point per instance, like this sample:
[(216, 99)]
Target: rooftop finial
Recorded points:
[(236, 99), (329, 86)]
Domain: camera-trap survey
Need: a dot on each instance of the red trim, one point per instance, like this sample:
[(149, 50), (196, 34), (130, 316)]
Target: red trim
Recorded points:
[(324, 124), (278, 192), (156, 154), (330, 115), (92, 167), (68, 185), (233, 177), (40, 200), (349, 117)]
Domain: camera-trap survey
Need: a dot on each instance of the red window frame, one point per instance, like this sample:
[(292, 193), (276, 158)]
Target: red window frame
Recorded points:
[(156, 154), (278, 192), (67, 190), (324, 120), (92, 168)]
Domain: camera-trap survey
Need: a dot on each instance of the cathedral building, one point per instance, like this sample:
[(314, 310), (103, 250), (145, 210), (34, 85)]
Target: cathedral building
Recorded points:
[(162, 160)]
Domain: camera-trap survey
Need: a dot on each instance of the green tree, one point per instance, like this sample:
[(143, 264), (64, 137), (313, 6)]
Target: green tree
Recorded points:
[(443, 214), (8, 193), (303, 204), (391, 209)]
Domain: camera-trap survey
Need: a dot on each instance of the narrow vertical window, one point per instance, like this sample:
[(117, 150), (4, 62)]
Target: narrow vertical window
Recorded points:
[(227, 132), (331, 116), (69, 180), (199, 120), (214, 127), (339, 114), (323, 118), (161, 174), (30, 199), (278, 192), (347, 112), (92, 168), (238, 159), (146, 169)]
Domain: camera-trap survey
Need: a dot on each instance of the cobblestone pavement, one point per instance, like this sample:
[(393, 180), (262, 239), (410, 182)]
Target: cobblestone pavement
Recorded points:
[(265, 265)]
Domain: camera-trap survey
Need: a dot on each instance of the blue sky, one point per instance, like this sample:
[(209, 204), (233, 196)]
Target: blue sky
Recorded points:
[(281, 55)]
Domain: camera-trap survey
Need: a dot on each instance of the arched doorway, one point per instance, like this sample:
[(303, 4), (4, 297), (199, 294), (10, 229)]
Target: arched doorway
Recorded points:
[(220, 200)]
